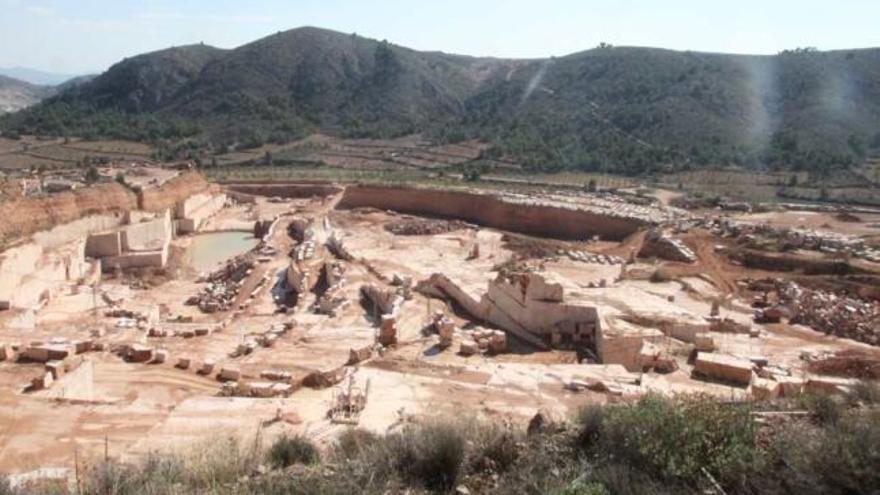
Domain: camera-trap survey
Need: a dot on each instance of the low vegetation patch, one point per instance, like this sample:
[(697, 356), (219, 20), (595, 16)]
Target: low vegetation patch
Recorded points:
[(686, 444)]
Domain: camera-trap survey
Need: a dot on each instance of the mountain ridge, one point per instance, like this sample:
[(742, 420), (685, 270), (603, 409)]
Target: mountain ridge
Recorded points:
[(625, 109), (16, 94)]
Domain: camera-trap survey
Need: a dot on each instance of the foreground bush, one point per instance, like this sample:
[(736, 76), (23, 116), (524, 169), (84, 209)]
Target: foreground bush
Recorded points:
[(287, 451), (429, 455), (841, 458), (656, 446), (689, 439)]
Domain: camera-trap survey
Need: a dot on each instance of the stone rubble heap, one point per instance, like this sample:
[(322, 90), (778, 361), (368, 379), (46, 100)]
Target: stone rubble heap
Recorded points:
[(426, 227), (611, 205), (833, 314), (332, 279), (483, 340), (223, 285), (662, 245), (596, 259), (444, 327), (336, 246), (849, 363), (303, 251), (793, 238), (300, 230)]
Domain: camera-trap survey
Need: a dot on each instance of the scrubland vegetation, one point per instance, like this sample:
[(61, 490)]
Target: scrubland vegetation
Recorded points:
[(687, 444)]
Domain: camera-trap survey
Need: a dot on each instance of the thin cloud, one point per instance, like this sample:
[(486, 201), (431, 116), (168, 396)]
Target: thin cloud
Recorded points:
[(167, 16), (40, 10)]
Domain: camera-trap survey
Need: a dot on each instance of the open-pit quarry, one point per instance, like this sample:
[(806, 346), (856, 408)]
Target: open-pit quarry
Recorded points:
[(169, 311)]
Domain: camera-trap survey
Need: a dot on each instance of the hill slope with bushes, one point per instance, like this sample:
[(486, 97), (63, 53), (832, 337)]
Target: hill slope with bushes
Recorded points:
[(621, 109)]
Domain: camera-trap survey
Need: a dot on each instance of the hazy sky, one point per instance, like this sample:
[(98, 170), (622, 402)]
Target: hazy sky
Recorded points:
[(83, 36)]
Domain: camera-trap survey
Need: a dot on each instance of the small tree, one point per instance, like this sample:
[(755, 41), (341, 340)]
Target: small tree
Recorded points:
[(92, 174), (592, 186)]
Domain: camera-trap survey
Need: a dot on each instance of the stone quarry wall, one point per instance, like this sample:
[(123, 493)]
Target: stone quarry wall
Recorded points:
[(29, 273), (24, 217), (144, 244), (193, 211), (492, 211), (173, 192), (15, 264), (77, 229), (147, 236)]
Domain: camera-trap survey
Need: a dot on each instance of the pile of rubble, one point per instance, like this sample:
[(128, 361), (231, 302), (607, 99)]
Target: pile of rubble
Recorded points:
[(426, 227), (223, 285), (833, 314), (793, 238), (255, 389), (336, 246), (596, 259), (303, 251), (849, 363), (300, 230), (664, 246), (480, 340), (128, 318), (330, 285), (610, 205), (265, 339), (444, 327)]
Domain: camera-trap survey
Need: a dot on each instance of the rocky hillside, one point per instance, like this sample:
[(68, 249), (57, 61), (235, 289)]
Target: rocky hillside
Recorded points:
[(16, 95), (621, 109)]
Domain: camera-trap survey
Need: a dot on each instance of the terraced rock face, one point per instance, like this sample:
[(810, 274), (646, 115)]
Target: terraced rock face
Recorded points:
[(26, 216), (539, 217)]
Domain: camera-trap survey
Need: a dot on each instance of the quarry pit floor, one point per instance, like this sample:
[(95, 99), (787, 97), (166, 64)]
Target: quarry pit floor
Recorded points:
[(129, 410)]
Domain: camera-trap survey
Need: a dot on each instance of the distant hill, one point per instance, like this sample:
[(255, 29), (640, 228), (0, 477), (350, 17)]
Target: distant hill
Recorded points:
[(623, 109), (34, 76), (16, 95)]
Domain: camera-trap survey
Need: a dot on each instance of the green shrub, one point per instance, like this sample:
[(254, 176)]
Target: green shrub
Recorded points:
[(496, 448), (429, 455), (675, 439), (622, 479), (287, 451), (354, 442), (578, 487), (865, 393), (546, 464), (832, 459), (589, 422), (824, 408)]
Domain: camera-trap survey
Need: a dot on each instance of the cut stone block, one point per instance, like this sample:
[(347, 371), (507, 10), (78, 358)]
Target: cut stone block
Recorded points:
[(229, 374), (56, 368), (160, 357), (359, 355), (790, 386), (764, 389), (207, 367), (140, 353), (724, 368), (468, 348)]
